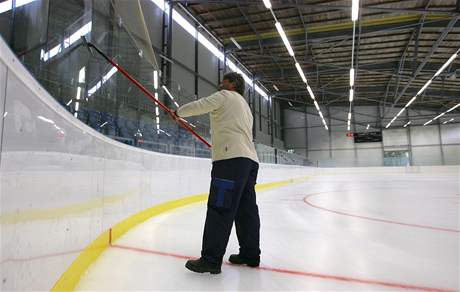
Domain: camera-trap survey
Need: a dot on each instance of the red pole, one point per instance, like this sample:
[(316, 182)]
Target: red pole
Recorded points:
[(150, 95)]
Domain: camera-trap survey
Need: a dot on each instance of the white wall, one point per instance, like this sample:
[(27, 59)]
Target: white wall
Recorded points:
[(62, 183), (429, 145)]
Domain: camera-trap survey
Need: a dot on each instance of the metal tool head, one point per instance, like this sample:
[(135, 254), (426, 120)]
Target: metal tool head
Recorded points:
[(87, 45)]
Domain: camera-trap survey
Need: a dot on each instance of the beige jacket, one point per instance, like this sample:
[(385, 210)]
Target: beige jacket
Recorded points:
[(231, 124)]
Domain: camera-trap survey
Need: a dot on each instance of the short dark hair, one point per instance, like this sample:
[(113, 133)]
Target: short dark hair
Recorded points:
[(236, 79)]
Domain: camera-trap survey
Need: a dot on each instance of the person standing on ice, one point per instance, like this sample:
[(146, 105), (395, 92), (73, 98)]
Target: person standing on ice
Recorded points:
[(232, 196)]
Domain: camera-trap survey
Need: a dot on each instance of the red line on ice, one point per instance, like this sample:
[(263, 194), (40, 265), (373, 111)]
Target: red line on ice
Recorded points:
[(375, 219), (300, 273)]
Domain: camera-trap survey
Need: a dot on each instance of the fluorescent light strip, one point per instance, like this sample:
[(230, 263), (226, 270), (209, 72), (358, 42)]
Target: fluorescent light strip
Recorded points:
[(407, 124), (267, 4), (401, 111), (45, 119), (352, 77), (367, 128), (84, 30), (299, 69), (354, 17), (82, 75), (155, 79), (317, 106), (355, 10), (448, 121), (452, 108), (437, 117), (236, 43), (446, 64), (310, 92), (261, 92), (424, 87), (448, 111), (105, 78), (288, 46), (284, 38), (77, 97), (167, 92), (8, 5), (275, 87), (411, 101)]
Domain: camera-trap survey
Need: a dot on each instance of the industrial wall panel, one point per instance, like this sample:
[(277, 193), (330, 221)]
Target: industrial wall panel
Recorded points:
[(265, 124), (369, 157), (365, 114), (207, 64), (451, 154), (183, 46), (395, 137), (339, 115), (154, 20), (183, 85), (205, 89), (450, 133), (318, 139), (302, 152), (295, 138), (320, 158), (367, 145), (263, 138), (426, 155), (344, 158), (293, 119), (314, 120), (279, 143), (264, 106), (427, 135)]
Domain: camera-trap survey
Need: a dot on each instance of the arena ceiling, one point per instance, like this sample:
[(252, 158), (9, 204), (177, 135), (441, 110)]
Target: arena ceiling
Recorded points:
[(399, 46)]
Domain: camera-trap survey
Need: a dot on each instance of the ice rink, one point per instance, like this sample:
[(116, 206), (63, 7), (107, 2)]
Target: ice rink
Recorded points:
[(101, 190), (332, 232)]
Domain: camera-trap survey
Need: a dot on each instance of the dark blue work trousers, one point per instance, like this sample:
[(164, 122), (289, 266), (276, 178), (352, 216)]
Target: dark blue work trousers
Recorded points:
[(232, 197)]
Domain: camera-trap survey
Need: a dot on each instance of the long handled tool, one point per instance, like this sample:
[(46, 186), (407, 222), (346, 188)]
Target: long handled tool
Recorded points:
[(144, 90)]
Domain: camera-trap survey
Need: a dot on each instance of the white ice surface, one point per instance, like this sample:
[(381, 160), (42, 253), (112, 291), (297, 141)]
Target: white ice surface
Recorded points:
[(298, 237)]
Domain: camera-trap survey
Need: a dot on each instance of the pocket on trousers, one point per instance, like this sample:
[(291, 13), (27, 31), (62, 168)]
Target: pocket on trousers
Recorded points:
[(221, 193)]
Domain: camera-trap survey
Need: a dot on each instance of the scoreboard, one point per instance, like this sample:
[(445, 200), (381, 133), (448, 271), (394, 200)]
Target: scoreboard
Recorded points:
[(367, 137)]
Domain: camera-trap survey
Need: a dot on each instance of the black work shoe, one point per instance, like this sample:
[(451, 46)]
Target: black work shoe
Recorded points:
[(201, 266), (237, 259)]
